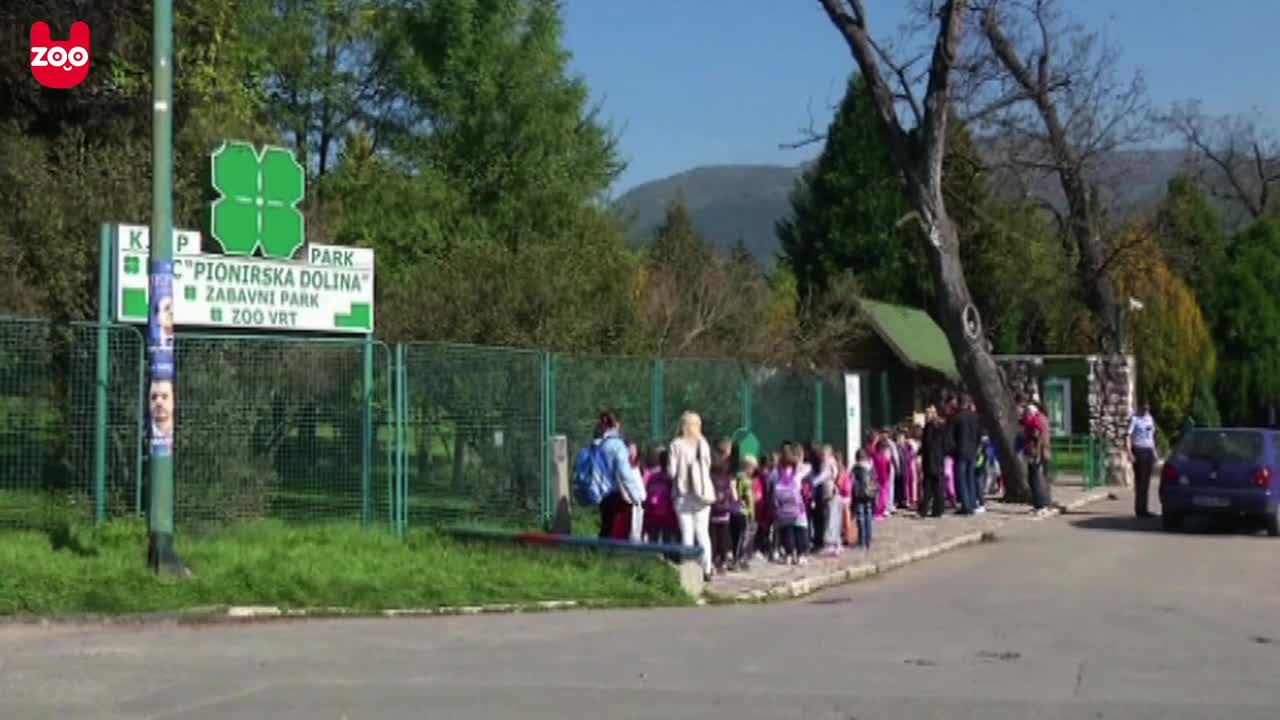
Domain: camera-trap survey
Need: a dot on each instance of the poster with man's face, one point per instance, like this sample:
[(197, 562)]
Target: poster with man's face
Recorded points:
[(160, 328), (160, 405)]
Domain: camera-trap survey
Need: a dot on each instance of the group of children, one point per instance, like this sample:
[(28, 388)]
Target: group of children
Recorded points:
[(799, 500)]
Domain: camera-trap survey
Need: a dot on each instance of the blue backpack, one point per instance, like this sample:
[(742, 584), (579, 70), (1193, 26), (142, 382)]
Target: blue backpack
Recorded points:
[(592, 481)]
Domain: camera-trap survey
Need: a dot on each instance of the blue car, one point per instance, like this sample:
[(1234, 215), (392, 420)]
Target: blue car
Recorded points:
[(1223, 471)]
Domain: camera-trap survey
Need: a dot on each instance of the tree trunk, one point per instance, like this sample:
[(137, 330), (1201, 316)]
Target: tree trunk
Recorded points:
[(982, 377)]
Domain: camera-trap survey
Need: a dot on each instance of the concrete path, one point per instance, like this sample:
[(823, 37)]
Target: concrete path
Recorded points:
[(1090, 615), (897, 540)]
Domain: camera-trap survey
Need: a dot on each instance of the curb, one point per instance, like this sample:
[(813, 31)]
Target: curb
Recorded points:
[(791, 589), (259, 613)]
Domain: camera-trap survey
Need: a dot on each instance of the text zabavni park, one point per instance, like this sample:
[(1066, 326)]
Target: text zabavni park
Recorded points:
[(329, 290)]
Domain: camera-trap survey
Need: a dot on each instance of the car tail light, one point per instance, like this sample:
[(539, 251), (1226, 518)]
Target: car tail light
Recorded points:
[(1169, 475), (1261, 477)]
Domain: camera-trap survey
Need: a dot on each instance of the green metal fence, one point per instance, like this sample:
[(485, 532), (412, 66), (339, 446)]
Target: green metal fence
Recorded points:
[(1077, 458), (316, 429)]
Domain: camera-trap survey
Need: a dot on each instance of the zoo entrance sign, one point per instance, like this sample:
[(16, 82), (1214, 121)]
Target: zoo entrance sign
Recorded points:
[(256, 282)]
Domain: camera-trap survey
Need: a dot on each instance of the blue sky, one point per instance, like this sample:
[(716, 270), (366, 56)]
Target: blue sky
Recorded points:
[(697, 82)]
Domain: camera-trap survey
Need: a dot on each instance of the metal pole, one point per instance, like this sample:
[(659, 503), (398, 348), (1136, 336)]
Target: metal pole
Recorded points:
[(162, 389), (103, 379), (366, 447), (402, 430), (547, 425)]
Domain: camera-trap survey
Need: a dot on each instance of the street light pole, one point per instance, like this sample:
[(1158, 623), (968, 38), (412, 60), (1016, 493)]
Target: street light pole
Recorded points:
[(162, 388)]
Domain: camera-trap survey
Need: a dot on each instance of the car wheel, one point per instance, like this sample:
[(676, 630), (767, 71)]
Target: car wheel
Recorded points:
[(1171, 522), (1272, 521)]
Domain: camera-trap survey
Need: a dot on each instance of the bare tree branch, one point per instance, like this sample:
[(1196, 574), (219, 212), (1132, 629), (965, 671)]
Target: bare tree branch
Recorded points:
[(1230, 151), (809, 135), (1051, 96)]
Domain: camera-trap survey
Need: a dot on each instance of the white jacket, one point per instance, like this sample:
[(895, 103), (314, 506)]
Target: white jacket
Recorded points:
[(689, 467)]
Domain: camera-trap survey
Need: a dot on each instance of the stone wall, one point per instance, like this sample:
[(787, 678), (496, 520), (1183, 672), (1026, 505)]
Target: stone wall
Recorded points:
[(1112, 389)]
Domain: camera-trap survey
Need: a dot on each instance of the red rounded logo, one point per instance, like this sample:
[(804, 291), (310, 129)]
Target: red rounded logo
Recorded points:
[(60, 64)]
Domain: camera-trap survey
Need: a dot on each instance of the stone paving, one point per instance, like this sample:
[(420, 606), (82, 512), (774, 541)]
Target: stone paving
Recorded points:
[(897, 540)]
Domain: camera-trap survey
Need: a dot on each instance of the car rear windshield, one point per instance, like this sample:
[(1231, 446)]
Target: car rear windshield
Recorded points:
[(1224, 446)]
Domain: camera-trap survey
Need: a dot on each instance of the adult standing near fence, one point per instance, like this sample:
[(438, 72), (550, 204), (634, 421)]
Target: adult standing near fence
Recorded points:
[(615, 509), (933, 451), (964, 442), (1142, 452), (689, 467), (1035, 449)]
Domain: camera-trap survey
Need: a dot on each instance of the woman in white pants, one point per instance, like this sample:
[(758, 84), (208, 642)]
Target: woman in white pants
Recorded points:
[(689, 467)]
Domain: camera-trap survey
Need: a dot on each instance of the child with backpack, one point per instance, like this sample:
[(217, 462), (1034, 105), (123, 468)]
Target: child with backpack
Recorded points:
[(742, 524), (789, 512), (765, 478), (660, 522), (865, 492), (844, 486), (721, 511), (833, 505), (637, 503)]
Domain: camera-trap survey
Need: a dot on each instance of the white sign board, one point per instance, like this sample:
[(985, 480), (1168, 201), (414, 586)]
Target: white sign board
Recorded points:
[(329, 290), (853, 414)]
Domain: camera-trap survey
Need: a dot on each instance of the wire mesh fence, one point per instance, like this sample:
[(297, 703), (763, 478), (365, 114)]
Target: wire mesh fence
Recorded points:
[(474, 443), (291, 428), (310, 429)]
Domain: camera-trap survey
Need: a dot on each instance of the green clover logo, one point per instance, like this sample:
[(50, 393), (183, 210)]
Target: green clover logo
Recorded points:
[(258, 203)]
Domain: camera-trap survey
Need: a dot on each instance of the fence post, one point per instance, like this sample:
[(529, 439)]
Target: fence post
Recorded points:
[(1088, 462), (818, 413), (366, 441), (400, 502), (548, 427), (142, 425), (102, 378), (562, 519), (744, 394), (656, 406)]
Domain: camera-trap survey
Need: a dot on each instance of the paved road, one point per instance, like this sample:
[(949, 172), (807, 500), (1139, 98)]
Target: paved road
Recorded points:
[(1089, 616)]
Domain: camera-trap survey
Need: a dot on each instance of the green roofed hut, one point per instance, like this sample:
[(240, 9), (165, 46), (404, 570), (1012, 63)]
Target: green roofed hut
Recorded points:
[(904, 361)]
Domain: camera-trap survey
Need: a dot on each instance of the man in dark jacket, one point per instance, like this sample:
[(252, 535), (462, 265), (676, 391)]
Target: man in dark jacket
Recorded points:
[(933, 452), (963, 427)]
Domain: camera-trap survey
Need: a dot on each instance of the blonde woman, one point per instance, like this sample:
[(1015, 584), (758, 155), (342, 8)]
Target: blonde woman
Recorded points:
[(689, 467)]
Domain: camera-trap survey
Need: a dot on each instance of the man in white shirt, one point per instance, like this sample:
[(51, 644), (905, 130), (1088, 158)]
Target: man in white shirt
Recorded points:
[(1142, 450)]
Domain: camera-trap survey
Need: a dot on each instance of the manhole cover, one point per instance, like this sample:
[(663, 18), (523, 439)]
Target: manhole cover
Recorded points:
[(919, 662), (831, 601)]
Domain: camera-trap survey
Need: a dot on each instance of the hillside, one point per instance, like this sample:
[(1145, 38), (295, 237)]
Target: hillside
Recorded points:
[(732, 201)]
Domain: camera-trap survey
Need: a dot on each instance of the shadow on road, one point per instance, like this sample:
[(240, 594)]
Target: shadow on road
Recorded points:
[(1193, 525), (1117, 522)]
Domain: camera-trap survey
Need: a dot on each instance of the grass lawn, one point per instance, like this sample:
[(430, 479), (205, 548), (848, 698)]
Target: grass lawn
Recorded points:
[(64, 569)]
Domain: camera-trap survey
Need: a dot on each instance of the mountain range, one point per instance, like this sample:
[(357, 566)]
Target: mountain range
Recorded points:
[(732, 202)]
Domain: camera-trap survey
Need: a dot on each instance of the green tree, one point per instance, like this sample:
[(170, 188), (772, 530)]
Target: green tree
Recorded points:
[(74, 160), (848, 217), (1170, 337), (847, 212), (479, 184), (1191, 231), (698, 301), (1246, 325), (485, 97), (322, 74)]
